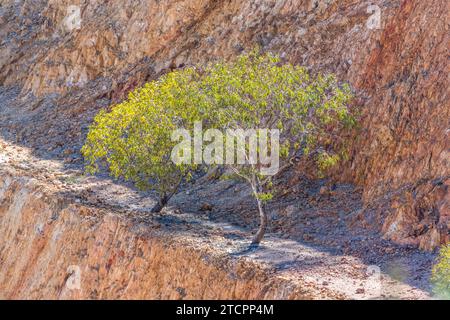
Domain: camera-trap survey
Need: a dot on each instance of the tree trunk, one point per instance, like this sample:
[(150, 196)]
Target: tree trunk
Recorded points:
[(164, 199), (262, 224), (160, 204)]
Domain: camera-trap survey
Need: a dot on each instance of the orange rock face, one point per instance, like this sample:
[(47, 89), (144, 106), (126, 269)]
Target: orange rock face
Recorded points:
[(403, 154), (70, 251)]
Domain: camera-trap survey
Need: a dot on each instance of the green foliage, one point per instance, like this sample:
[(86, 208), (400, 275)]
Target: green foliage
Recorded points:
[(133, 140), (259, 91), (326, 161), (265, 196), (441, 274)]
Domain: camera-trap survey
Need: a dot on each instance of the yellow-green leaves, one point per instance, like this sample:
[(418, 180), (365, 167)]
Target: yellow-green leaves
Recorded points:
[(326, 161), (133, 140), (441, 274), (265, 196)]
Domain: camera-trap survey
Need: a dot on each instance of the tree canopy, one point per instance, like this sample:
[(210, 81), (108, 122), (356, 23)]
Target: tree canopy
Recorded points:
[(134, 140)]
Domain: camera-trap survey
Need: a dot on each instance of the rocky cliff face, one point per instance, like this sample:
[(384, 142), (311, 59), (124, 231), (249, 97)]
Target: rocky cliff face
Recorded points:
[(61, 61), (70, 251)]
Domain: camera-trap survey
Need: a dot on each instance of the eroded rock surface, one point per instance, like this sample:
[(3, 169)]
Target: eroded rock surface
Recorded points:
[(68, 236)]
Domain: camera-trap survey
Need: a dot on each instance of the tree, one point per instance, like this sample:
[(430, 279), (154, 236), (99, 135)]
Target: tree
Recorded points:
[(259, 91), (250, 98), (133, 140)]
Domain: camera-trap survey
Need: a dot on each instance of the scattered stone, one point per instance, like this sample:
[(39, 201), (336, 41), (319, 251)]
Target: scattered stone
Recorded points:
[(206, 207)]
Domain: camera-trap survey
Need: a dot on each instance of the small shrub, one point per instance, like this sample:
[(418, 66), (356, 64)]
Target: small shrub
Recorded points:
[(133, 140), (441, 274)]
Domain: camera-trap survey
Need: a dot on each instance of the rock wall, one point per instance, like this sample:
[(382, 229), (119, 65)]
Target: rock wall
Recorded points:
[(399, 68), (403, 151), (54, 249)]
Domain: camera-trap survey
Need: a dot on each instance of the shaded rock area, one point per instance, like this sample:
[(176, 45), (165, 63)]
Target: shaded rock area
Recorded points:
[(95, 239)]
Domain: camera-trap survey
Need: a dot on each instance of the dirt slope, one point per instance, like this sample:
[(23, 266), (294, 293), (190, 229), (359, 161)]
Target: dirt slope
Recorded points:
[(65, 236)]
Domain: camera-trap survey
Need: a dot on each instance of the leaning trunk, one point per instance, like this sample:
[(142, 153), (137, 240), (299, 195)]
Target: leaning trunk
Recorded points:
[(160, 204), (164, 199), (262, 224)]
